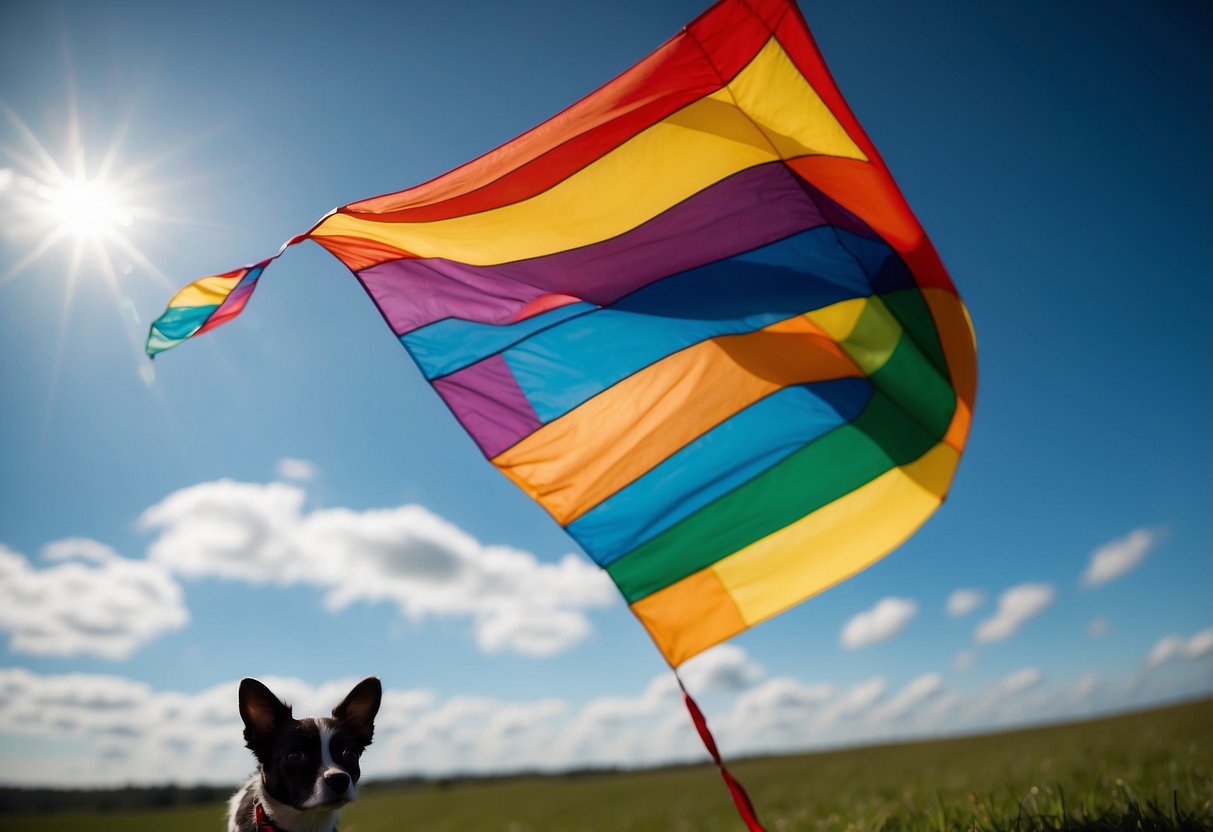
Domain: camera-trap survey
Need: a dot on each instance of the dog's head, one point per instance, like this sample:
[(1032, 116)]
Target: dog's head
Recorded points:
[(309, 763)]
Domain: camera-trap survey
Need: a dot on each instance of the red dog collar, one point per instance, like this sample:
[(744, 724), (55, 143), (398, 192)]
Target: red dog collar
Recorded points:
[(264, 824)]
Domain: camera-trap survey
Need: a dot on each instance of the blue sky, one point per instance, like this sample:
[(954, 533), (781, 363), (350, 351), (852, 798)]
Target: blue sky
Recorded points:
[(287, 499)]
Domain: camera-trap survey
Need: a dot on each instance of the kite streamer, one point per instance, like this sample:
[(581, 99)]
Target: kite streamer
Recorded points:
[(691, 315)]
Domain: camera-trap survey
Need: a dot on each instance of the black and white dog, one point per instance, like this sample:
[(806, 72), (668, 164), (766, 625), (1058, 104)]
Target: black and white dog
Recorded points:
[(307, 768)]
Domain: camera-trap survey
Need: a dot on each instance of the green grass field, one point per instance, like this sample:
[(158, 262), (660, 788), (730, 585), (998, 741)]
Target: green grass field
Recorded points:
[(1151, 770)]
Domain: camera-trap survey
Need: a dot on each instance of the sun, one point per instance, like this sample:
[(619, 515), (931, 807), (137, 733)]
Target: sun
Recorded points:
[(90, 209), (88, 206), (58, 199)]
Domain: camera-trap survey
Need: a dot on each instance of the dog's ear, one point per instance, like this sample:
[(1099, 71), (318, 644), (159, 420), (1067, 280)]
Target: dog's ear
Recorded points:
[(261, 711), (357, 711)]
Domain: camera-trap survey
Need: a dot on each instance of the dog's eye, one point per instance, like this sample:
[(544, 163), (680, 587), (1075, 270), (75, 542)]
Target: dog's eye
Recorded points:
[(351, 755), (295, 757)]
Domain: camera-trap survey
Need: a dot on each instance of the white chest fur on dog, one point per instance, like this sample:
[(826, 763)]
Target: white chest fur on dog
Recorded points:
[(308, 769)]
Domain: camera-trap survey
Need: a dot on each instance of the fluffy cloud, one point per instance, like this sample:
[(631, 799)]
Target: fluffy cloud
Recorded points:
[(123, 731), (299, 470), (777, 715), (79, 548), (106, 606), (1085, 687), (965, 660), (910, 698), (964, 601), (106, 730), (724, 668), (885, 620), (1020, 681), (1120, 556), (405, 556), (854, 701), (1015, 606), (1177, 647)]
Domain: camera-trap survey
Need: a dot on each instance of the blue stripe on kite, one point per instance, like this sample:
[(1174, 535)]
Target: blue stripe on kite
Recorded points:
[(886, 271), (250, 276), (451, 344), (569, 363), (180, 322), (732, 453)]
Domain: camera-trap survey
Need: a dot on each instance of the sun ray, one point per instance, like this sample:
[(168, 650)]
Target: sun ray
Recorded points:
[(109, 157), (75, 141), (132, 251), (65, 314), (93, 205), (46, 165), (48, 242)]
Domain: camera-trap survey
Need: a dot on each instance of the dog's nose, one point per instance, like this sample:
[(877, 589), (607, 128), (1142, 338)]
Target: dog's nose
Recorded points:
[(338, 781)]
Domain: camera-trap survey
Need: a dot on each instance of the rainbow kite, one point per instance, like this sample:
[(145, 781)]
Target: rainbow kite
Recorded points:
[(691, 316)]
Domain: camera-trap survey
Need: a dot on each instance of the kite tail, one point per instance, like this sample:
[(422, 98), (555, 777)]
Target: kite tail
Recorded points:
[(742, 800), (208, 302)]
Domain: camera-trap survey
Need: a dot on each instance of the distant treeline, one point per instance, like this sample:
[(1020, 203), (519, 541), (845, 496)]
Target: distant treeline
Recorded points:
[(15, 800), (27, 801)]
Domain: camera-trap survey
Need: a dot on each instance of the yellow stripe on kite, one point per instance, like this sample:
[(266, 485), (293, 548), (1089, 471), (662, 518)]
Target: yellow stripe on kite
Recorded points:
[(838, 540), (658, 168), (205, 292), (838, 319), (795, 121), (798, 561)]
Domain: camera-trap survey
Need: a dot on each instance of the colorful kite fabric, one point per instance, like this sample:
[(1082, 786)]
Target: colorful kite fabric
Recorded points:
[(202, 306), (691, 316)]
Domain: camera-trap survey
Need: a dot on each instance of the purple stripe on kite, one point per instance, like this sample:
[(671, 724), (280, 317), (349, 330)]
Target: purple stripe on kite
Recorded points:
[(243, 289), (233, 304), (750, 209), (487, 400)]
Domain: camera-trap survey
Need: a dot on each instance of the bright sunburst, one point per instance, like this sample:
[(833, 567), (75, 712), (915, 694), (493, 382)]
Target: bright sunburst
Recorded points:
[(77, 210), (87, 208), (60, 200)]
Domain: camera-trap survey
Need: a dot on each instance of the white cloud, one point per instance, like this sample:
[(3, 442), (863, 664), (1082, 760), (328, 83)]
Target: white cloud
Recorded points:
[(1015, 606), (1098, 627), (122, 731), (1166, 649), (965, 660), (230, 530), (784, 696), (107, 730), (1086, 686), (653, 727), (855, 701), (1119, 556), (108, 606), (299, 470), (911, 697), (79, 548), (725, 667), (1020, 681), (1177, 647), (405, 556), (1199, 645), (964, 601), (883, 621), (778, 714)]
